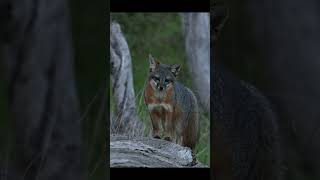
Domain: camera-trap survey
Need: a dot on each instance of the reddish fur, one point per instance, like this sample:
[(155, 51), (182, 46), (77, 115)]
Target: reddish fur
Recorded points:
[(150, 98), (177, 112), (156, 114), (168, 126), (189, 135)]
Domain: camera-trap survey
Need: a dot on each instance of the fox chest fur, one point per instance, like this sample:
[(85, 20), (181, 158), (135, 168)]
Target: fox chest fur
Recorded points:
[(156, 100)]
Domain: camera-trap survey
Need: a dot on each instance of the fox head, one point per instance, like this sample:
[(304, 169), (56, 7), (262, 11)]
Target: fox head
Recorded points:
[(162, 76)]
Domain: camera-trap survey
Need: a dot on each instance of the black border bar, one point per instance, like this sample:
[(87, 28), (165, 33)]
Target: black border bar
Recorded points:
[(160, 173), (159, 5)]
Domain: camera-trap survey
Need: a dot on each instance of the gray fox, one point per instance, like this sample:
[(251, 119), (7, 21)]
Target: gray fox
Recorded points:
[(172, 104), (245, 142)]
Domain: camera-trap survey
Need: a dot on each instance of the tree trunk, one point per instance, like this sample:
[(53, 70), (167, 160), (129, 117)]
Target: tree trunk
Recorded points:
[(196, 30), (43, 101), (125, 119)]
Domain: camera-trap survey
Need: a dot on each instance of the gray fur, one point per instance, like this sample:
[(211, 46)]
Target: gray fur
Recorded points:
[(164, 76)]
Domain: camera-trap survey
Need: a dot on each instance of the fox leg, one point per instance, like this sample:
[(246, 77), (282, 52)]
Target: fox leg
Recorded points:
[(155, 119), (180, 139), (168, 126)]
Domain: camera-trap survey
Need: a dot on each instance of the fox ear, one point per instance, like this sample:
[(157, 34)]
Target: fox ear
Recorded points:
[(153, 63), (175, 69)]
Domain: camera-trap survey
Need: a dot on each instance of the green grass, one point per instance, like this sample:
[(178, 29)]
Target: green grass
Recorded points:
[(161, 35)]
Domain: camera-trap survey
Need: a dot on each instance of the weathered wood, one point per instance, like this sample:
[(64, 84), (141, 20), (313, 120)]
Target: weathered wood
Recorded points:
[(196, 28), (125, 119), (148, 152)]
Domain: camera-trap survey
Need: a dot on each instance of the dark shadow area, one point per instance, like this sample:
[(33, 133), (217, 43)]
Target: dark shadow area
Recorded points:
[(53, 90), (274, 46)]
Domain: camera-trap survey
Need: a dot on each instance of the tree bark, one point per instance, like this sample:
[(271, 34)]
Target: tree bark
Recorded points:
[(148, 152), (44, 107), (125, 119), (196, 30)]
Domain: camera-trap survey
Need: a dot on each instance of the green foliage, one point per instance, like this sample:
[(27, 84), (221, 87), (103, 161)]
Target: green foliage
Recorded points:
[(161, 35), (155, 33)]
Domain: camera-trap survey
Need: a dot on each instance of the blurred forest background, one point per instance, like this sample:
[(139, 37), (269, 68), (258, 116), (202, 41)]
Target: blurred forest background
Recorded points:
[(275, 46), (161, 35), (90, 37), (90, 46)]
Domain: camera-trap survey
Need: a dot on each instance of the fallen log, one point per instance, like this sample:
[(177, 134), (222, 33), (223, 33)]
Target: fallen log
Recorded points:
[(149, 152)]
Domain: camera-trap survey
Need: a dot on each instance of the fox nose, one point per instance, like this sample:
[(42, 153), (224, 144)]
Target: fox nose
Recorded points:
[(161, 88)]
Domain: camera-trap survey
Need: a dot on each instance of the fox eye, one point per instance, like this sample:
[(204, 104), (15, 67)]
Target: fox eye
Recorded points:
[(167, 80), (156, 78)]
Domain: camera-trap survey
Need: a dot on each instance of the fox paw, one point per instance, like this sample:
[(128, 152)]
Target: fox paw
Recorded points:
[(194, 160), (167, 138), (193, 163), (156, 136)]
